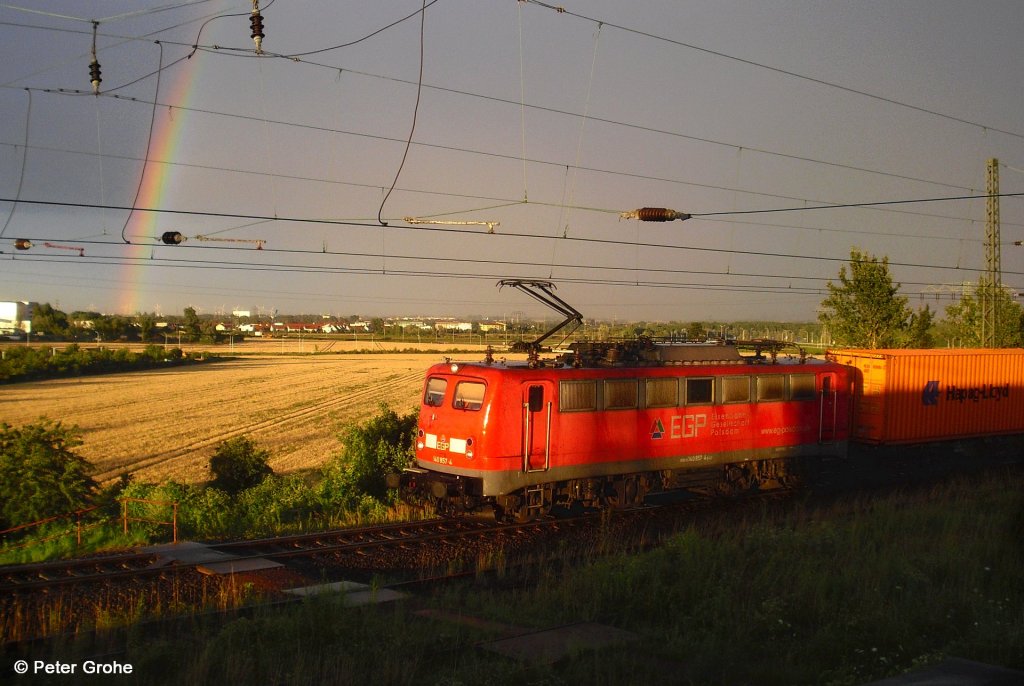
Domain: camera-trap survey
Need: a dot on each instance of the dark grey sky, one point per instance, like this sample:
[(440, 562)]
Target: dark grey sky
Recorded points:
[(549, 123)]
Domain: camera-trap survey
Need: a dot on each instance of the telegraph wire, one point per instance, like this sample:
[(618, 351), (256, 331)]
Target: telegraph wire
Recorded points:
[(811, 79)]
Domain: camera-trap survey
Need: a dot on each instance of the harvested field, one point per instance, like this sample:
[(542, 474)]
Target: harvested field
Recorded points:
[(162, 424)]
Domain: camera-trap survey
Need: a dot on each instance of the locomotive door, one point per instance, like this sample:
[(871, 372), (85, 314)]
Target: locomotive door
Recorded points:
[(828, 407), (537, 400)]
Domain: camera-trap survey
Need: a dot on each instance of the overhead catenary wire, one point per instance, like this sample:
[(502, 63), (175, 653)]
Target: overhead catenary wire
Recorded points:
[(415, 114), (149, 144), (518, 235), (785, 72), (177, 239), (800, 158), (510, 202), (491, 154), (524, 105), (434, 274), (24, 158)]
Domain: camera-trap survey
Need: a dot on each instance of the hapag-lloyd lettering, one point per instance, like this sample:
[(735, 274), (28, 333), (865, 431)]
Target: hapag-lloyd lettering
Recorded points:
[(977, 393)]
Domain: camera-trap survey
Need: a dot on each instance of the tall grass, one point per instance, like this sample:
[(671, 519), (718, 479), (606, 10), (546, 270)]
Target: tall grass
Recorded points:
[(837, 596)]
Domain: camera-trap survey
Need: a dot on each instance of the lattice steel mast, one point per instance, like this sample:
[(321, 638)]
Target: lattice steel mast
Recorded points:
[(993, 261)]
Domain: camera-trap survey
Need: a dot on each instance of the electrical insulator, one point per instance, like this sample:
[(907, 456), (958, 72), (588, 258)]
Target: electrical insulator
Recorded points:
[(256, 20), (22, 243), (94, 76), (172, 238), (655, 214)]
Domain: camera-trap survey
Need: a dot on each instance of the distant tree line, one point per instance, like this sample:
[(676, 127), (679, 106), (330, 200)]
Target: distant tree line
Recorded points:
[(31, 363)]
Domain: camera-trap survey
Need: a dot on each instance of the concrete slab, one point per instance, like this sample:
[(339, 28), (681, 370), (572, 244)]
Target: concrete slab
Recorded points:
[(188, 552), (956, 672), (356, 594), (551, 645), (335, 587), (237, 566)]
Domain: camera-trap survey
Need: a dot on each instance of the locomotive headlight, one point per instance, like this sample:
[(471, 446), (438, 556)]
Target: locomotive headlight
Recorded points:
[(455, 368), (419, 440), (469, 448)]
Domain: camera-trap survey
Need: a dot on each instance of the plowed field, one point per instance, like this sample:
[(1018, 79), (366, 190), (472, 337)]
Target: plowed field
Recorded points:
[(166, 423)]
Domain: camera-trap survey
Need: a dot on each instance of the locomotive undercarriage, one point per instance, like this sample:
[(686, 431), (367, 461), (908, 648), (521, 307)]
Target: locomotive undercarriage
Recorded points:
[(453, 495)]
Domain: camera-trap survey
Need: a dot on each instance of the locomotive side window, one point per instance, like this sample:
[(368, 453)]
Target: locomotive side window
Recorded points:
[(699, 391), (577, 396), (771, 388), (735, 389), (535, 398), (662, 393), (435, 392), (801, 387), (620, 394), (469, 395)]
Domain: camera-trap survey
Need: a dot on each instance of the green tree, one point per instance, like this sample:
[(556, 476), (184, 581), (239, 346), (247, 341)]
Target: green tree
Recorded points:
[(962, 324), (147, 324), (238, 464), (47, 320), (865, 310), (40, 474), (696, 331), (192, 326)]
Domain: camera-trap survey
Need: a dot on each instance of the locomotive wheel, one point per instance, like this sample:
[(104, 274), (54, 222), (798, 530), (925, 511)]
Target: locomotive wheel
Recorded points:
[(623, 493)]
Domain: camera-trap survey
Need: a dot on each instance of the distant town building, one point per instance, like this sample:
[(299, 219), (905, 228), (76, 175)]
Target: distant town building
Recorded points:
[(16, 317)]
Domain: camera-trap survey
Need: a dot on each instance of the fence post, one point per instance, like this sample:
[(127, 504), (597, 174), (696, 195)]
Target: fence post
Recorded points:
[(124, 514), (174, 520)]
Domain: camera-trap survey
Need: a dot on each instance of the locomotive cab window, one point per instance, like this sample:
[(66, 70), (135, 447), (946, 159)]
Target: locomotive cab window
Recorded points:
[(699, 391), (801, 387), (434, 395), (771, 388), (469, 395), (735, 389), (662, 393), (577, 396), (620, 394)]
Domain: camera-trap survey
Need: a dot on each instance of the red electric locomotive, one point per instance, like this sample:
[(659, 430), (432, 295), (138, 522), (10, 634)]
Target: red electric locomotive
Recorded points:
[(603, 424)]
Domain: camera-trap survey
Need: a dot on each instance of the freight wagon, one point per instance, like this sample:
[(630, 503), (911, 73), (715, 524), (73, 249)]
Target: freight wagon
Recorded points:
[(915, 396)]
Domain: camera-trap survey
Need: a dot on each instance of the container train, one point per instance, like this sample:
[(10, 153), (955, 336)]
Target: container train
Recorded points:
[(602, 424)]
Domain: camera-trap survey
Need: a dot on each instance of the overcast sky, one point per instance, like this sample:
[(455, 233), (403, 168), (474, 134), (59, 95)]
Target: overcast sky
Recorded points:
[(551, 123)]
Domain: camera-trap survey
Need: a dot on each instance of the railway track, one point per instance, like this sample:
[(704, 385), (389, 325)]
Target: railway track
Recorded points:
[(358, 541), (298, 414), (63, 572)]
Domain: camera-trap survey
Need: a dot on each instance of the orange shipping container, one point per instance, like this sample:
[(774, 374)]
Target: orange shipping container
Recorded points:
[(907, 396)]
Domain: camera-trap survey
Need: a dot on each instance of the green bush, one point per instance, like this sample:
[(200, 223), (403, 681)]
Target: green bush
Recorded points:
[(239, 464), (381, 445)]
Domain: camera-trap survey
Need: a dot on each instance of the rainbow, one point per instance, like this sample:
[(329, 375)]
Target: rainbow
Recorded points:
[(144, 227)]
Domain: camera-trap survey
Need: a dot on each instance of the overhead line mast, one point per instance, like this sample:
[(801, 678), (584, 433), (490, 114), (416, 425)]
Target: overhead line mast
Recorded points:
[(993, 278)]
